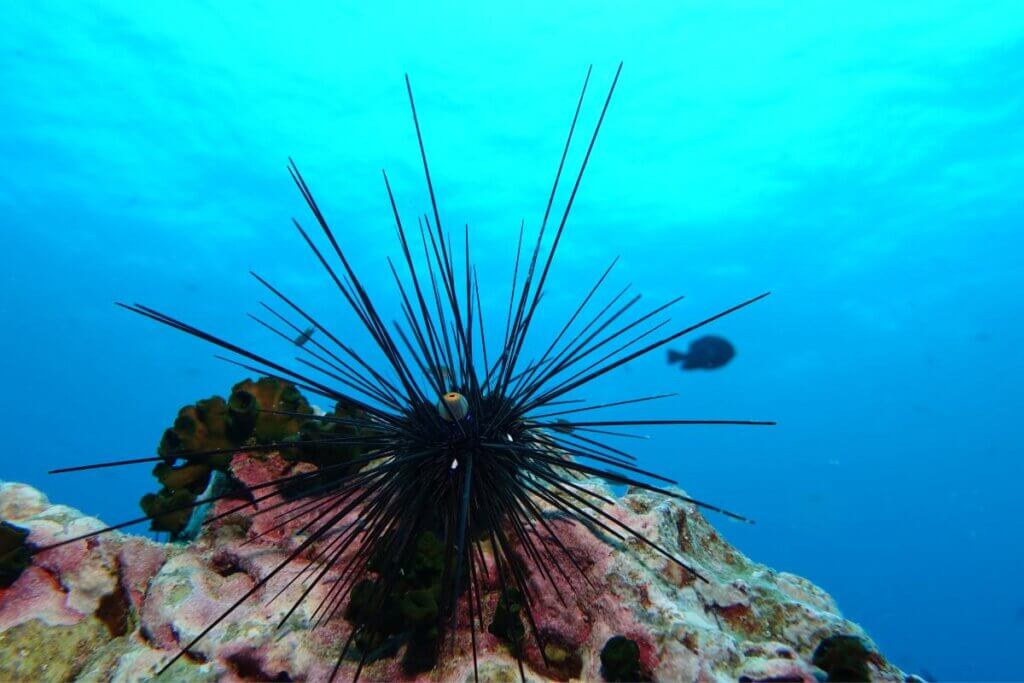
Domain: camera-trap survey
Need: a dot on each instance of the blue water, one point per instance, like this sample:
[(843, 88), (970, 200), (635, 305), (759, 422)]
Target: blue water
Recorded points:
[(862, 162)]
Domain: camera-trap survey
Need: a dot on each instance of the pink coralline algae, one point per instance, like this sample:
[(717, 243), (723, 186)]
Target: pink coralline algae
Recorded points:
[(116, 607)]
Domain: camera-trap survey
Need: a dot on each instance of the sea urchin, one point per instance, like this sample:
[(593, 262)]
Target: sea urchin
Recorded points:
[(466, 448)]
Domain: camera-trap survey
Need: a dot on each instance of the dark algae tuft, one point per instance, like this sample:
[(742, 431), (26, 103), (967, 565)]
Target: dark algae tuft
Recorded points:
[(15, 553), (327, 445), (408, 612), (844, 658), (620, 660), (507, 623)]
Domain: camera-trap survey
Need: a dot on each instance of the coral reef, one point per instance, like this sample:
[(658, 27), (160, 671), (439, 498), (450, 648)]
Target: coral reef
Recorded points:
[(115, 607)]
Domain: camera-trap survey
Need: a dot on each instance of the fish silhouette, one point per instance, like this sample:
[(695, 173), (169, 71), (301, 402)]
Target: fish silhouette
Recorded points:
[(707, 353), (445, 373), (304, 336)]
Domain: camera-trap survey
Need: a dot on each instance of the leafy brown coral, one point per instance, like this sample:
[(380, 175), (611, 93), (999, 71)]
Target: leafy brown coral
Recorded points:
[(202, 426), (212, 424), (250, 402)]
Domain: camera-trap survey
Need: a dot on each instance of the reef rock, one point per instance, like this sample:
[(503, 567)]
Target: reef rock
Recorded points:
[(116, 607)]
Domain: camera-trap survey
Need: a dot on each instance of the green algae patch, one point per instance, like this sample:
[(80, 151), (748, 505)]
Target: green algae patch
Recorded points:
[(179, 594), (564, 662), (35, 651)]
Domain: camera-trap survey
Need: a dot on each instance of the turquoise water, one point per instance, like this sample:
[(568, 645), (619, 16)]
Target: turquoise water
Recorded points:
[(863, 163)]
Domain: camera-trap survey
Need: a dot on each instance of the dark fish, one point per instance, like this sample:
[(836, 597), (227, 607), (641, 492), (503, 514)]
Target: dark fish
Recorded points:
[(706, 353), (562, 425), (304, 336), (447, 378)]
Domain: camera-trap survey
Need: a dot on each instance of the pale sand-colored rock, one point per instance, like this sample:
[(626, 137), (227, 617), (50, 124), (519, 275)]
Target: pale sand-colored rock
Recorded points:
[(116, 607)]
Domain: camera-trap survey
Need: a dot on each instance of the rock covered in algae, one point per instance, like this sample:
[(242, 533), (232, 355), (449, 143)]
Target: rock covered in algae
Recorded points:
[(116, 607)]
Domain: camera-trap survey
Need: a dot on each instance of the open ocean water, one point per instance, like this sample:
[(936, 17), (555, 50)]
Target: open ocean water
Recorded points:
[(863, 161)]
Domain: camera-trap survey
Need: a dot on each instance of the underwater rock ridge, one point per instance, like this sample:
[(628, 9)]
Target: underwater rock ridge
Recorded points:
[(116, 607)]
